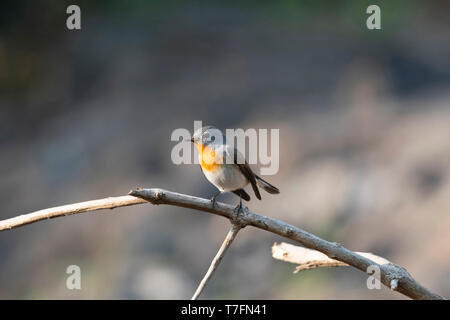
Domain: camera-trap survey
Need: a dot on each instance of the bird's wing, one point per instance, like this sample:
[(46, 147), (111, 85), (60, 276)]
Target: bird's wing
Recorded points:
[(241, 193), (238, 159)]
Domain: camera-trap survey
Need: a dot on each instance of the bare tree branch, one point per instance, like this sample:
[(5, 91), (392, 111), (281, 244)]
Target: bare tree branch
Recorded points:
[(405, 284), (106, 203), (392, 275), (217, 259)]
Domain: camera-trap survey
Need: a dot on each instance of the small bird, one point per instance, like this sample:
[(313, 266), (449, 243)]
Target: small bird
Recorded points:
[(225, 167)]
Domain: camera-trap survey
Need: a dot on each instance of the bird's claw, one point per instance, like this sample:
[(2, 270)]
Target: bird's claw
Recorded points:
[(213, 202), (239, 208)]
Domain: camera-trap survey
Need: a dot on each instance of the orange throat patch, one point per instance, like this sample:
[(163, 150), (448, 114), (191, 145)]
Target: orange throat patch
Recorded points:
[(208, 158)]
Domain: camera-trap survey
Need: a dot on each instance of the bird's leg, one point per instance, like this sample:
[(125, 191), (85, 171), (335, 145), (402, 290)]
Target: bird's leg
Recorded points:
[(213, 199), (239, 206)]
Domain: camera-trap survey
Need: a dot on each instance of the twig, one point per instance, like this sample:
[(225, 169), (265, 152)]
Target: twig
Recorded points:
[(217, 259), (311, 259), (405, 284), (93, 205)]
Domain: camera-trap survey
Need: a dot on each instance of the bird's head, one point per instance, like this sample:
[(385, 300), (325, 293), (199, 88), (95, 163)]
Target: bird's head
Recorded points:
[(207, 136)]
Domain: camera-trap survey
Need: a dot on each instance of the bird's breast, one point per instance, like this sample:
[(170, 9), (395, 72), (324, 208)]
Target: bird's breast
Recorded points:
[(210, 160)]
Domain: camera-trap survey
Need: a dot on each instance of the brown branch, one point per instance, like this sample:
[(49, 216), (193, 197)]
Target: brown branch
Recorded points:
[(217, 259), (106, 203), (390, 273), (311, 259)]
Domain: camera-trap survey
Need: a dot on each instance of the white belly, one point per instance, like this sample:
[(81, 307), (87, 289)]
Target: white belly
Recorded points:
[(227, 178)]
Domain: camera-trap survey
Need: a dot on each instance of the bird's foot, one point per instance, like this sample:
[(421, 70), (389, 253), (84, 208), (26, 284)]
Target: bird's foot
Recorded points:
[(213, 202), (239, 208), (239, 217), (213, 199)]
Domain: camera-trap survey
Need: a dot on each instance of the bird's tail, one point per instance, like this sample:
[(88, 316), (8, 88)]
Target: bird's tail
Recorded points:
[(266, 186)]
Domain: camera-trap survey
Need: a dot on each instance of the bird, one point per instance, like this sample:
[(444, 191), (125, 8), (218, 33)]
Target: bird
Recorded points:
[(225, 167)]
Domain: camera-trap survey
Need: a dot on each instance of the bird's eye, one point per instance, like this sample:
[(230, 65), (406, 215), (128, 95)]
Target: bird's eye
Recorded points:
[(213, 138)]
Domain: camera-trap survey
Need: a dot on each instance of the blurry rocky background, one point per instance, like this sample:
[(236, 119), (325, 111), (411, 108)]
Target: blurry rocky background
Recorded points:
[(364, 119)]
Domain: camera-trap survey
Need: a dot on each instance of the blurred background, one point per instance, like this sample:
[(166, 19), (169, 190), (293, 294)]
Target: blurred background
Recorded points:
[(364, 153)]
